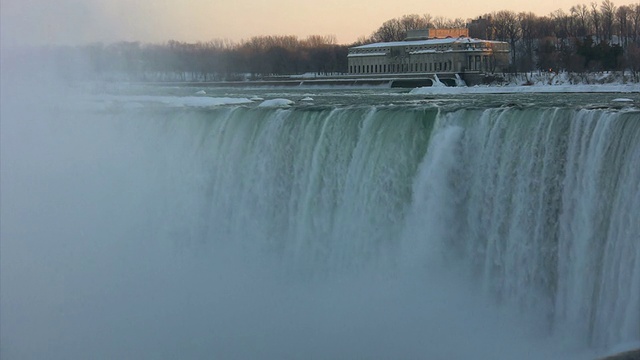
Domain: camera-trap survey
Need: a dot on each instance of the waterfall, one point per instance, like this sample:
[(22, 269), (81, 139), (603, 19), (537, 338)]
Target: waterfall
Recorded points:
[(459, 81), (320, 231), (540, 205), (546, 205), (436, 81)]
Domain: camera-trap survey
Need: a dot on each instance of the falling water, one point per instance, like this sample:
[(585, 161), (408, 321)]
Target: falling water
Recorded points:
[(320, 232)]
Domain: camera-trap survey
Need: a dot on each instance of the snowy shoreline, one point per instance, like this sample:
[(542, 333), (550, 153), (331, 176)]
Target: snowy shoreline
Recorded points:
[(544, 82), (532, 89)]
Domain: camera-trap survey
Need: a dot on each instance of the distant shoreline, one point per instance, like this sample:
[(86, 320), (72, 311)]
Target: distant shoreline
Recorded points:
[(530, 82), (417, 86)]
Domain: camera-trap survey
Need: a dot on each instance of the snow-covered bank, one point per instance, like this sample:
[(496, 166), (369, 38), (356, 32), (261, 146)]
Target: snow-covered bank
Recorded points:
[(513, 89), (546, 82)]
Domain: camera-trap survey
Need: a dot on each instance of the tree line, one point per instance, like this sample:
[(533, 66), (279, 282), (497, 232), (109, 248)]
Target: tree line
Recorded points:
[(594, 37), (217, 60), (588, 38)]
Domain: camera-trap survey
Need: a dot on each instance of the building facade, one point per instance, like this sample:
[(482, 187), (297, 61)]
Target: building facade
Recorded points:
[(420, 53)]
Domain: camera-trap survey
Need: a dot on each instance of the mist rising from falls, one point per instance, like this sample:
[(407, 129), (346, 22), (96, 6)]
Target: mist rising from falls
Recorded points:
[(319, 232)]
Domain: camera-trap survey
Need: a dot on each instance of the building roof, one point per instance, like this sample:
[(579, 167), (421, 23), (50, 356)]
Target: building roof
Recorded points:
[(459, 40)]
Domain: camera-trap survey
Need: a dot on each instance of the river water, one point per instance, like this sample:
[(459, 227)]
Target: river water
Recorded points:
[(363, 223)]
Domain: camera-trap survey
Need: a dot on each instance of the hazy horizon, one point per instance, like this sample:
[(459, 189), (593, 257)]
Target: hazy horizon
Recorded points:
[(77, 22)]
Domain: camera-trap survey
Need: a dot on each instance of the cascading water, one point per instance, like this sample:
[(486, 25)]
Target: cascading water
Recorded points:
[(542, 205), (320, 232), (325, 187)]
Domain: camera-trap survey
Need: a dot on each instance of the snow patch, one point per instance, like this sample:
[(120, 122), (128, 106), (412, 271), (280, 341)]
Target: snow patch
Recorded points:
[(276, 103), (622, 100)]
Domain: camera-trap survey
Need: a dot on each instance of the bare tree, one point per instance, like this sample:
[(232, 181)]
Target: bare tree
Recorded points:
[(608, 14), (412, 22), (396, 29), (427, 20), (458, 23), (441, 22), (622, 18), (507, 29), (320, 40), (635, 22), (580, 12), (527, 29), (390, 30), (596, 21), (562, 24)]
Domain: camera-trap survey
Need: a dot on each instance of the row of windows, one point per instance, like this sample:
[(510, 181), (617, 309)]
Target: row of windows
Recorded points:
[(408, 49), (425, 47), (367, 51), (438, 47), (394, 68)]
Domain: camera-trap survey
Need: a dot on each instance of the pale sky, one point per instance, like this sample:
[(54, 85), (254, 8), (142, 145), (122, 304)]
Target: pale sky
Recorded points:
[(83, 21)]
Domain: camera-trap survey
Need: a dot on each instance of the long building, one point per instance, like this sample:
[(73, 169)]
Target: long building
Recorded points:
[(420, 54)]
